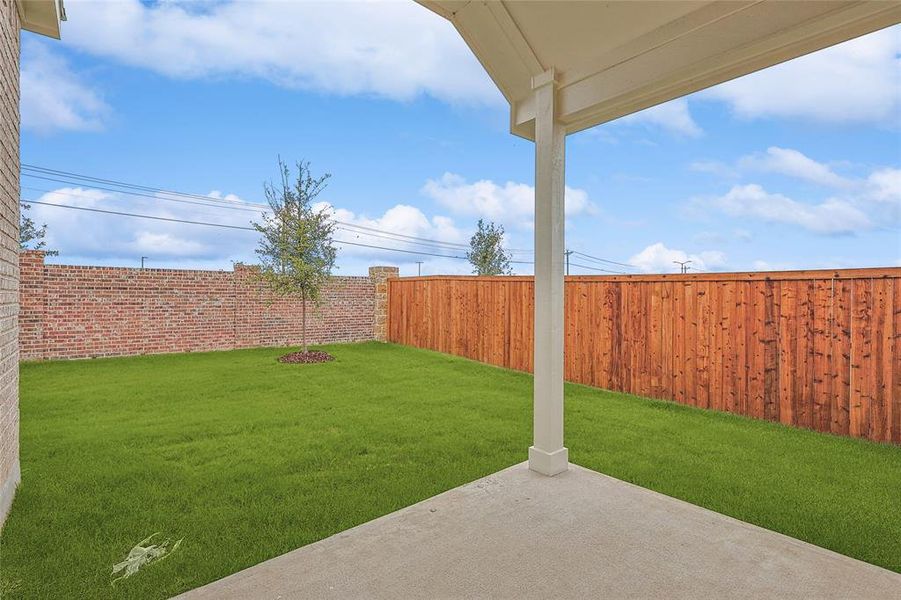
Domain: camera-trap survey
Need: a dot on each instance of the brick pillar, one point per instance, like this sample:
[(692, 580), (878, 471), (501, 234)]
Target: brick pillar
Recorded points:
[(380, 277), (32, 305)]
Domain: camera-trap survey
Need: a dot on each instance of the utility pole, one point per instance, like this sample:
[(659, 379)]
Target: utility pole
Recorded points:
[(683, 265), (418, 268), (143, 258), (567, 253)]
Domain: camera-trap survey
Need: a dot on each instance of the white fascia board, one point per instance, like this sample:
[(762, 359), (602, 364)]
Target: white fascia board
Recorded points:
[(496, 40)]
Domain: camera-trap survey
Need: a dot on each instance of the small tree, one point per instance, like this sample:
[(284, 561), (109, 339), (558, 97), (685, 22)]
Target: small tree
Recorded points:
[(31, 237), (486, 252), (296, 251)]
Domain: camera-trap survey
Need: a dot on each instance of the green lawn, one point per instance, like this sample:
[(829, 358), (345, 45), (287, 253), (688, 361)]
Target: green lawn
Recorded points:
[(245, 458)]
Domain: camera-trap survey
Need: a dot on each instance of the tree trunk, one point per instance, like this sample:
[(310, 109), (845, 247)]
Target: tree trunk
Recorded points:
[(303, 310)]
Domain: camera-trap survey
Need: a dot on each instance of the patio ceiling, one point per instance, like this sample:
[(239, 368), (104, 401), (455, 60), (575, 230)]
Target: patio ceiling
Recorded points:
[(616, 58)]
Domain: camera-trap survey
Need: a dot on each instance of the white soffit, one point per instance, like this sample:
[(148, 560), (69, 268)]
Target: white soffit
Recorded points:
[(615, 58), (41, 16)]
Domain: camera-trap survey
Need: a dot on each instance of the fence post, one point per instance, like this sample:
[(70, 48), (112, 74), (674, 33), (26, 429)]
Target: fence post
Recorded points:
[(380, 276)]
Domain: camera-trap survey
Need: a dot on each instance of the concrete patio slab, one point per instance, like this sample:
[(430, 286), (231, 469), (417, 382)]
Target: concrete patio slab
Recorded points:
[(581, 534)]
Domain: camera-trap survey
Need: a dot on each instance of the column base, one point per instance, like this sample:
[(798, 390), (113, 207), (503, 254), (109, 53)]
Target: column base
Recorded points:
[(548, 463)]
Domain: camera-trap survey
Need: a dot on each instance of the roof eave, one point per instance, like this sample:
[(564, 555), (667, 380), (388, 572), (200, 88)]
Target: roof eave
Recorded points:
[(630, 80), (41, 16)]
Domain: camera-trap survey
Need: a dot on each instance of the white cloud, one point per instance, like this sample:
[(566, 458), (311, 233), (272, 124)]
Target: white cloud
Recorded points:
[(855, 82), (167, 243), (511, 203), (763, 265), (396, 50), (793, 163), (97, 238), (672, 116), (426, 238), (85, 237), (884, 185), (117, 239), (399, 50), (405, 223), (833, 216), (861, 202), (657, 258), (217, 195), (882, 192), (53, 97)]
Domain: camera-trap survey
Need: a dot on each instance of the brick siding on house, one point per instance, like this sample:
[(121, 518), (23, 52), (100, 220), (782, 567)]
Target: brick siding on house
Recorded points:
[(85, 311), (9, 247)]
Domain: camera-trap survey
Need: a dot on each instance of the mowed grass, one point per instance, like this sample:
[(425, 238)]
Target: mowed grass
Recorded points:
[(245, 458)]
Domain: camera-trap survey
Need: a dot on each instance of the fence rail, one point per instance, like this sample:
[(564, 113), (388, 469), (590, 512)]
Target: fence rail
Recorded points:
[(814, 349)]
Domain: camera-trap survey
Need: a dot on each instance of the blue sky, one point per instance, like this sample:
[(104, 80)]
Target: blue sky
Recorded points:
[(798, 166)]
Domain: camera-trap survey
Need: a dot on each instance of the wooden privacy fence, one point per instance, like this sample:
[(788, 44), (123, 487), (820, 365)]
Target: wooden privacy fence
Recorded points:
[(814, 349)]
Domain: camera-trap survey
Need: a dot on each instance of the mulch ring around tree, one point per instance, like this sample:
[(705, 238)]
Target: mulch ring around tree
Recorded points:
[(306, 357)]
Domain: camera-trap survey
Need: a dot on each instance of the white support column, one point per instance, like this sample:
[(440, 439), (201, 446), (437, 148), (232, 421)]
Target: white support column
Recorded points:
[(547, 454)]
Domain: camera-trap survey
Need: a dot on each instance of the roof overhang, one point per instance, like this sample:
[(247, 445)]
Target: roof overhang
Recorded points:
[(41, 16), (611, 59)]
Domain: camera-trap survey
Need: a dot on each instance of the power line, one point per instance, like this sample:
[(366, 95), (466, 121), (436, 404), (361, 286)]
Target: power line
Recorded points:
[(213, 202), (597, 269), (340, 224), (226, 226), (402, 235), (243, 204), (126, 214), (403, 241), (43, 173), (58, 173), (416, 252), (244, 228), (413, 237), (604, 260), (138, 190), (453, 245)]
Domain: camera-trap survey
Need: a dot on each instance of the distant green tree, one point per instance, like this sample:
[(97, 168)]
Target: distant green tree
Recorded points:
[(486, 251), (31, 237), (295, 249)]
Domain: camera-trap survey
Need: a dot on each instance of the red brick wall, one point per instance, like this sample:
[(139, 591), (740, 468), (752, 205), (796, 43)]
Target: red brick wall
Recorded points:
[(83, 311)]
